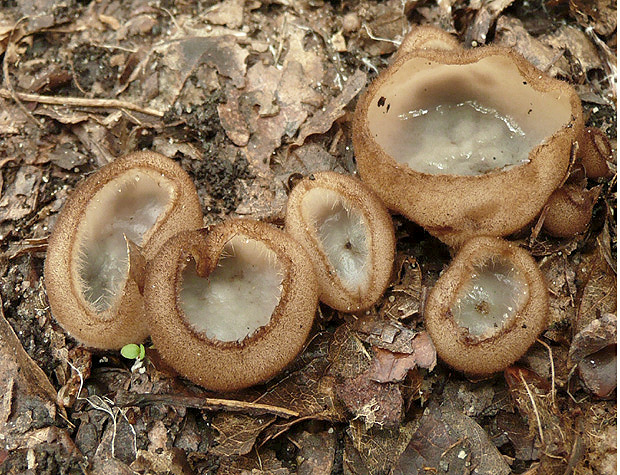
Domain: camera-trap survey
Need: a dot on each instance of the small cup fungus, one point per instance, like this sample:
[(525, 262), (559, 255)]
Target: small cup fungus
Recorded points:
[(349, 235), (465, 142), (569, 210), (594, 152), (114, 221), (230, 306), (488, 307)]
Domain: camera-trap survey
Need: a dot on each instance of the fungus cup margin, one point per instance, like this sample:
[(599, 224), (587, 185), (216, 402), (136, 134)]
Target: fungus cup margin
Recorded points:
[(123, 322), (356, 197), (452, 207), (487, 355), (229, 365)]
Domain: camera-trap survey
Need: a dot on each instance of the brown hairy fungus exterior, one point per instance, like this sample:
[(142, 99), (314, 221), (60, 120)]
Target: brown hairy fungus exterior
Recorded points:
[(232, 305), (349, 236), (488, 307), (569, 210), (594, 153), (427, 37), (409, 160), (113, 222)]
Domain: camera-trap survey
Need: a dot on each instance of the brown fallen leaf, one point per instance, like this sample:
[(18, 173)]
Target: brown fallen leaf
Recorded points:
[(237, 433), (393, 367), (323, 119), (404, 298), (593, 350), (316, 452), (374, 403), (20, 197), (447, 441), (483, 21)]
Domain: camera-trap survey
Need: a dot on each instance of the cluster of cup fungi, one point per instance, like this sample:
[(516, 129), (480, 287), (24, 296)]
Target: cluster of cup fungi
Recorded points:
[(231, 305)]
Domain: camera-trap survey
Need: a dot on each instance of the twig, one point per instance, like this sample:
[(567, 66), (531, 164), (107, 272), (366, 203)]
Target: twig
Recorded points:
[(529, 393), (124, 398), (552, 369), (79, 102)]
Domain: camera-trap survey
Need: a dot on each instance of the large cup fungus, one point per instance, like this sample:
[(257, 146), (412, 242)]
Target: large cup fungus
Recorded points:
[(465, 142), (349, 235), (114, 221), (488, 307), (232, 305)]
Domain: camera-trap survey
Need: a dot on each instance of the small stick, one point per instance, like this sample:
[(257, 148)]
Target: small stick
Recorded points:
[(80, 102), (552, 369), (529, 393), (210, 404)]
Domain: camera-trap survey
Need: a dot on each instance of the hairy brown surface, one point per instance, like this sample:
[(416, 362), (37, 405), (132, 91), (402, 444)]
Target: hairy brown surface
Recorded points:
[(379, 232), (451, 207), (494, 353), (124, 322), (227, 366)]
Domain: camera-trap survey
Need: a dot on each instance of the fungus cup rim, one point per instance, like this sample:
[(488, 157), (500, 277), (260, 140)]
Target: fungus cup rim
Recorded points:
[(485, 356), (378, 224), (229, 365), (120, 323), (545, 162)]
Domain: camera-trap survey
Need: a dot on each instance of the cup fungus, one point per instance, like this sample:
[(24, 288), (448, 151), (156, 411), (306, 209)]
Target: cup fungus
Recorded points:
[(569, 210), (114, 221), (488, 307), (349, 235), (232, 305), (594, 152), (465, 142)]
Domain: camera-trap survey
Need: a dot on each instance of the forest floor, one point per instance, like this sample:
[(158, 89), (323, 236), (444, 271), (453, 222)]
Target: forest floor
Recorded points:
[(243, 94)]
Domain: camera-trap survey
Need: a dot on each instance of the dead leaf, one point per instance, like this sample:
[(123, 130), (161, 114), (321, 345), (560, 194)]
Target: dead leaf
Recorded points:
[(228, 12), (483, 21), (387, 334), (172, 461), (447, 441), (374, 403), (20, 197), (404, 299), (510, 32), (593, 349), (260, 462), (323, 119), (374, 450), (393, 367), (577, 42), (237, 433), (316, 452), (518, 433), (24, 387), (598, 14)]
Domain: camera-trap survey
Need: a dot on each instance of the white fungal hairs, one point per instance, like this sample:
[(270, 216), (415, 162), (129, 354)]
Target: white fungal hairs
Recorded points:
[(239, 296), (494, 294), (125, 208), (342, 232)]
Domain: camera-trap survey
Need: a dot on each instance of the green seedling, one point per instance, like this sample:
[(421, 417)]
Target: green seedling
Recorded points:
[(133, 352)]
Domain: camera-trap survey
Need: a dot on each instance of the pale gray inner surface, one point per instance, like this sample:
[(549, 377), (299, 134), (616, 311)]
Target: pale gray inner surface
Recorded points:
[(239, 296), (493, 84), (490, 299), (461, 139), (343, 235), (128, 206)]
